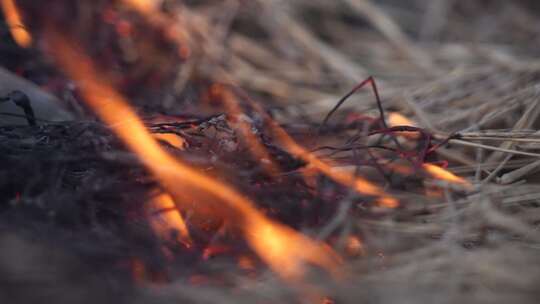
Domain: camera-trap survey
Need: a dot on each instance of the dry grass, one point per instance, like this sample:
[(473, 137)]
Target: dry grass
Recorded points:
[(454, 66)]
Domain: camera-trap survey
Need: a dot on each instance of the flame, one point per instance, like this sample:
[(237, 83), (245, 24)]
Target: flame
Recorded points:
[(15, 24), (281, 247), (143, 6), (174, 140), (395, 119), (346, 178), (445, 175), (165, 219), (359, 184), (276, 244)]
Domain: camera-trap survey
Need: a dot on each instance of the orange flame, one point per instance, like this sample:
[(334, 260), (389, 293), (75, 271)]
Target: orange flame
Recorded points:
[(359, 184), (143, 6), (445, 175), (172, 139), (282, 248), (246, 263), (15, 24), (327, 167), (165, 219), (395, 119)]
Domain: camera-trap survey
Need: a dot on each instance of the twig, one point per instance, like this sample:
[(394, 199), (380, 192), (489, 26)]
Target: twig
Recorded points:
[(512, 176), (502, 150)]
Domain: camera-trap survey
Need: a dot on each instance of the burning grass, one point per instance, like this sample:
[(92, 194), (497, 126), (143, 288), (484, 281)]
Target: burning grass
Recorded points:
[(210, 173)]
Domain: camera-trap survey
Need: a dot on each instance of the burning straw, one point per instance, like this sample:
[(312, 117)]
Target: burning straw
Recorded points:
[(272, 241), (457, 186)]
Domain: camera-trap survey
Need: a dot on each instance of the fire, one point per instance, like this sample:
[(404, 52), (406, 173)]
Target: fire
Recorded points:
[(15, 24), (165, 219), (282, 248), (346, 178), (149, 8), (172, 139), (143, 6), (276, 244), (445, 175), (397, 119)]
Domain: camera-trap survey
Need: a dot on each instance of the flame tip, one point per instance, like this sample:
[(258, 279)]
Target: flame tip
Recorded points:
[(15, 23)]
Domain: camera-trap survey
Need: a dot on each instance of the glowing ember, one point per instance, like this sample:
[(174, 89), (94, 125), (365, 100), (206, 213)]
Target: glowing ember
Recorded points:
[(354, 246), (282, 248), (327, 300), (15, 24), (166, 220), (214, 250), (246, 263), (172, 139), (138, 270), (445, 175)]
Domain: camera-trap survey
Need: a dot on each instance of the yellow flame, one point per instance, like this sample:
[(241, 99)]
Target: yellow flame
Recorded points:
[(282, 248), (445, 175), (15, 24), (397, 119), (143, 6), (165, 219)]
